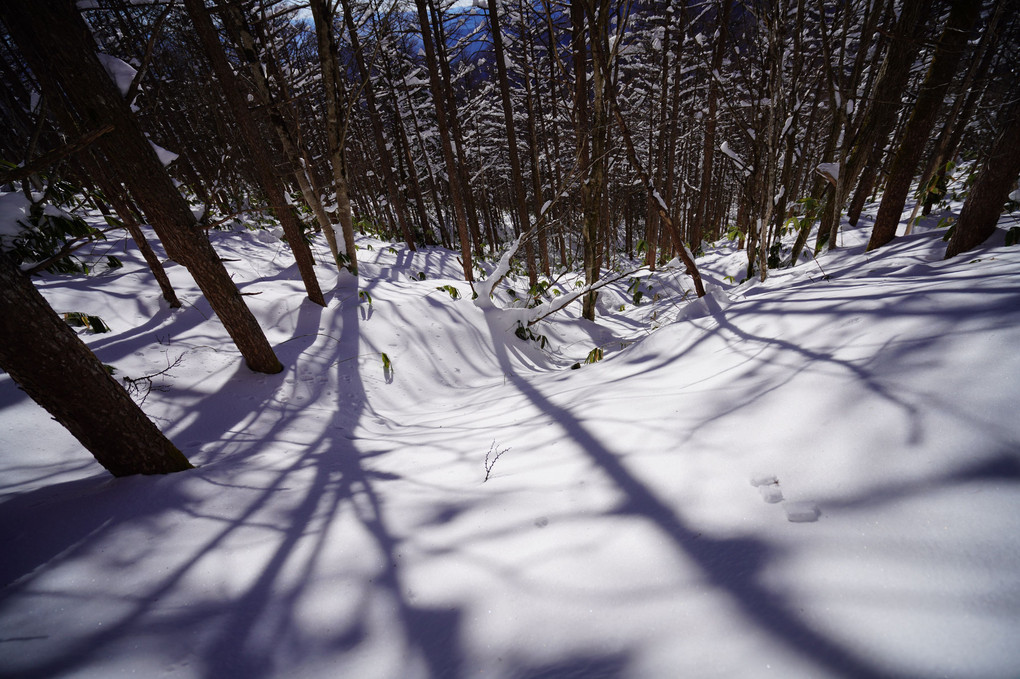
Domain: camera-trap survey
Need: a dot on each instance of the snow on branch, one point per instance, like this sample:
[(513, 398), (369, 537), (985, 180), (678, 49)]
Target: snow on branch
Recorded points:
[(830, 171), (484, 288), (732, 155)]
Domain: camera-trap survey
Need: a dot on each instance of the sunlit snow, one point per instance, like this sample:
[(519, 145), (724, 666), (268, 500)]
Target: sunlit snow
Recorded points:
[(814, 476)]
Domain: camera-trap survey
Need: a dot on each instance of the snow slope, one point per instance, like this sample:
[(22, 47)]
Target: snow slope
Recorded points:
[(814, 476)]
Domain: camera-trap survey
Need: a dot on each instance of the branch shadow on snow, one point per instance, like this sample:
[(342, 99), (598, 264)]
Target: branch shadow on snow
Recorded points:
[(245, 631), (732, 566)]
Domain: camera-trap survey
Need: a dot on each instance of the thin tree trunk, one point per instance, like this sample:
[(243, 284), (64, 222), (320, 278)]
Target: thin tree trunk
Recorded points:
[(586, 131), (685, 254), (708, 152), (335, 128), (385, 160), (517, 177), (257, 150), (233, 20), (439, 101)]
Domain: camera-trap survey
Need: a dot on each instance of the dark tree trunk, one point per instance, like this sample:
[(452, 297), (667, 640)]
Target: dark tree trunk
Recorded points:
[(943, 67), (59, 47), (54, 367), (439, 101), (258, 150), (335, 128), (984, 203), (520, 198), (708, 151), (385, 160), (586, 131)]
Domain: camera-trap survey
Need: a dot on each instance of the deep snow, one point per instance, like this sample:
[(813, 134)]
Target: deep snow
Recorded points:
[(814, 476)]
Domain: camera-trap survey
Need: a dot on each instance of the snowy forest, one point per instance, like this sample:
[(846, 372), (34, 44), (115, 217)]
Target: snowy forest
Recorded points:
[(509, 338)]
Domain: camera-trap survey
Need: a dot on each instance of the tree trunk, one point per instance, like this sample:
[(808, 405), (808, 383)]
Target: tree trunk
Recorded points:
[(439, 101), (54, 367), (60, 49), (244, 42), (385, 160), (520, 198), (533, 103), (258, 150), (883, 109), (586, 132), (708, 151), (335, 128), (943, 67), (602, 65), (984, 204)]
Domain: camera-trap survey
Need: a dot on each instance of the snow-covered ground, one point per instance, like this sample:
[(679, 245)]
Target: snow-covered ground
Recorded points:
[(818, 476)]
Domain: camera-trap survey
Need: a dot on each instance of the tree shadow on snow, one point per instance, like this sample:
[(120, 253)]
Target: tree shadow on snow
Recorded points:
[(248, 631), (732, 566)]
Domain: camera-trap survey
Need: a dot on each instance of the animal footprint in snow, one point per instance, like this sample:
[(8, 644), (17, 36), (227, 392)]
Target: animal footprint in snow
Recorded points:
[(796, 512), (801, 512), (768, 486)]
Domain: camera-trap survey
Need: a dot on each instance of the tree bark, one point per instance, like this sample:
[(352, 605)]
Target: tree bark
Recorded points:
[(439, 101), (984, 204), (335, 128), (59, 47), (943, 67), (586, 132), (55, 368), (385, 160), (602, 65), (244, 42), (708, 151), (257, 151), (520, 198)]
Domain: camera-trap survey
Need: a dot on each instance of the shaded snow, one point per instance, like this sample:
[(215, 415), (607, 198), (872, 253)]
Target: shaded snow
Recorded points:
[(338, 523)]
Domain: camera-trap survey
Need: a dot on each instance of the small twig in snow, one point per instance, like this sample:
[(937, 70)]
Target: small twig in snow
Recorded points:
[(490, 459)]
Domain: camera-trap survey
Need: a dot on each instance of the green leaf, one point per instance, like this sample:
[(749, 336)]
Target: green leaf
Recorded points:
[(1013, 235), (76, 319), (97, 324), (594, 356), (454, 292)]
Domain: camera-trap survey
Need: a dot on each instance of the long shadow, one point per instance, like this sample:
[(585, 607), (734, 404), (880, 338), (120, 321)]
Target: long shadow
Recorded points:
[(231, 629), (340, 484), (734, 566)]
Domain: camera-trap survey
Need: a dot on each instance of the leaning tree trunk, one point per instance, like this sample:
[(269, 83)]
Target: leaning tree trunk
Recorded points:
[(943, 66), (984, 204), (54, 367), (58, 46), (258, 150), (249, 52)]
